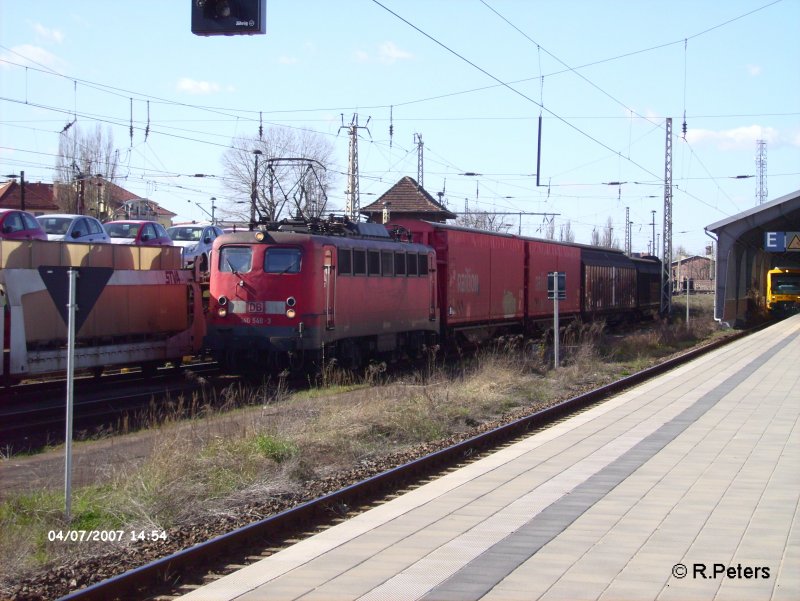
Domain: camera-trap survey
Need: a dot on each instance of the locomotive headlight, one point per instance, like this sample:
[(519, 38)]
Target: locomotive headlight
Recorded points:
[(222, 312), (222, 300), (290, 313), (291, 301), (260, 236)]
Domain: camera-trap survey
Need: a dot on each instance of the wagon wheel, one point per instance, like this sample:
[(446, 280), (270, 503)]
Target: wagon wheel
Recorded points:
[(350, 355)]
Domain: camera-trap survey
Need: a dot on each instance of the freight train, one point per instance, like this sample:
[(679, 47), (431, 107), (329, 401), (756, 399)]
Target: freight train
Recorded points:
[(136, 305), (297, 291)]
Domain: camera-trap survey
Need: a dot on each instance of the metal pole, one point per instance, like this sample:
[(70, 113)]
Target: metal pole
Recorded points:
[(555, 326), (687, 302), (653, 223), (254, 194), (73, 275), (22, 190)]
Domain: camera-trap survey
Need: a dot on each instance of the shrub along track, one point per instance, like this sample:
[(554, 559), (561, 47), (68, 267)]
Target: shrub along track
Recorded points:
[(193, 554)]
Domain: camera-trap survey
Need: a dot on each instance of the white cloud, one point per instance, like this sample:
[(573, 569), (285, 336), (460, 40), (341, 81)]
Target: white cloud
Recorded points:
[(50, 35), (754, 70), (288, 60), (740, 138), (390, 53), (192, 86), (387, 53), (34, 56)]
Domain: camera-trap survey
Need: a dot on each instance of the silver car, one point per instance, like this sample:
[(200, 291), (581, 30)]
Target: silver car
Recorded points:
[(196, 240), (73, 228)]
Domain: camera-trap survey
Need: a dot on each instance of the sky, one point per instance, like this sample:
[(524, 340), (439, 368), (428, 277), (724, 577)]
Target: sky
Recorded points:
[(470, 77)]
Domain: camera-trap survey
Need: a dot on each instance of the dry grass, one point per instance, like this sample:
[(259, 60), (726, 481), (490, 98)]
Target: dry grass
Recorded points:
[(277, 441)]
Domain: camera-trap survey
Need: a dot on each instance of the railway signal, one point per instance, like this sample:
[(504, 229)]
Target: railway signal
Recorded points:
[(229, 17)]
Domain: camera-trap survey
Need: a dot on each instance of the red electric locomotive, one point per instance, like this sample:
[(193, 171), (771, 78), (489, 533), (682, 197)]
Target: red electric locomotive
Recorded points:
[(315, 289)]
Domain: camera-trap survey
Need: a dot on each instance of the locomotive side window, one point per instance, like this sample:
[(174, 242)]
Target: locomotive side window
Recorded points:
[(387, 262), (345, 266), (374, 258), (359, 262), (235, 259), (423, 264), (411, 264), (400, 263), (282, 260)]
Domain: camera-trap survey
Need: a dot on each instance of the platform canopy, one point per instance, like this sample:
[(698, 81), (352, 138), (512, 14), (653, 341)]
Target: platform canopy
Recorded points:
[(745, 253)]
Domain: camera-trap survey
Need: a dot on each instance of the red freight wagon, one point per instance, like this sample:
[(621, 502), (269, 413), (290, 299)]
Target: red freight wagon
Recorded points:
[(545, 257), (609, 282), (481, 277)]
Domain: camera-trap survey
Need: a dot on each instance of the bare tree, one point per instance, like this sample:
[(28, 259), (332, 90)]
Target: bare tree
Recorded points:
[(85, 161), (566, 234), (295, 172), (608, 240), (550, 230), (482, 220), (595, 239)]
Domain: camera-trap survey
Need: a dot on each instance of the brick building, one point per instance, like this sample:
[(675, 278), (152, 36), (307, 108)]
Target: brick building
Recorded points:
[(698, 270)]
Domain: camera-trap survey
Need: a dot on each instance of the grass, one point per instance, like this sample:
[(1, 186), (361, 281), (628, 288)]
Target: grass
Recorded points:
[(264, 440)]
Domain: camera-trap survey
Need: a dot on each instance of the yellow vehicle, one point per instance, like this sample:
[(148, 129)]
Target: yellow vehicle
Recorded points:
[(783, 289)]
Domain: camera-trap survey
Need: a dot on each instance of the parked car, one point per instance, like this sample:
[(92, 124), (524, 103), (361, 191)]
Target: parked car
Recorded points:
[(73, 228), (196, 240), (140, 233), (19, 225)]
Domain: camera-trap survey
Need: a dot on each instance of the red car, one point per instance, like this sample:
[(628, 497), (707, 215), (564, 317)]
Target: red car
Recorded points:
[(139, 233), (20, 225)]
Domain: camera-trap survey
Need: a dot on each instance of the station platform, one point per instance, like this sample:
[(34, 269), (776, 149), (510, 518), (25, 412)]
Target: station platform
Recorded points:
[(685, 487)]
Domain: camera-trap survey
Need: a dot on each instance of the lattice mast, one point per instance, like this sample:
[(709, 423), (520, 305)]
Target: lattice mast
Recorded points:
[(353, 196), (628, 231), (761, 172), (420, 147), (666, 256)]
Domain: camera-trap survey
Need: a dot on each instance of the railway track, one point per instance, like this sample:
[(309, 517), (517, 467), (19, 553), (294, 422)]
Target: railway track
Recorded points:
[(193, 566), (33, 415)]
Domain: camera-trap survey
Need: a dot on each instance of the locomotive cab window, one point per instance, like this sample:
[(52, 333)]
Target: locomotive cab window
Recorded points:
[(374, 260), (345, 261), (359, 262), (411, 265), (282, 260), (423, 264), (400, 263), (387, 262), (235, 259)]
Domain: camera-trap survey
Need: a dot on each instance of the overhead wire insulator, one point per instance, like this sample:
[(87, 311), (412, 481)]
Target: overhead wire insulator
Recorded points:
[(147, 128), (391, 126)]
